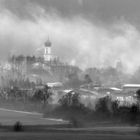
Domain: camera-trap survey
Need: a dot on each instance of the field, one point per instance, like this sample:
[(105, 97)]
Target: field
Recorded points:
[(10, 117), (38, 128), (63, 136)]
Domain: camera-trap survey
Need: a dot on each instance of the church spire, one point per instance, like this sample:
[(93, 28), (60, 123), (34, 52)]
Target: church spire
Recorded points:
[(47, 51)]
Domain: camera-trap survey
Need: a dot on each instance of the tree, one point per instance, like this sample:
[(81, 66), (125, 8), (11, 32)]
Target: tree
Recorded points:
[(47, 93), (138, 95), (43, 94), (87, 79), (71, 99)]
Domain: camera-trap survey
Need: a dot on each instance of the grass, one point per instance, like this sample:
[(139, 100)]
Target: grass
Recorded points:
[(69, 135), (62, 132), (78, 116), (22, 106)]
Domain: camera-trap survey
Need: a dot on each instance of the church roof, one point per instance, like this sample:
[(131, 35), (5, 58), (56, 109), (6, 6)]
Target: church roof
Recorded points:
[(48, 43)]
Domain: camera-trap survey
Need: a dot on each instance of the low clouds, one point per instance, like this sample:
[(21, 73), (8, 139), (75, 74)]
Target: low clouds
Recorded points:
[(75, 40), (80, 2)]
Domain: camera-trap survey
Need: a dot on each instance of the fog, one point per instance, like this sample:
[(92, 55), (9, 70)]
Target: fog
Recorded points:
[(75, 39)]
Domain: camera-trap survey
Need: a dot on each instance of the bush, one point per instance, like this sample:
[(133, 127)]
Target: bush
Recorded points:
[(106, 109), (138, 94), (75, 122), (18, 127), (129, 114), (71, 99), (102, 105), (115, 107), (38, 95), (133, 114)]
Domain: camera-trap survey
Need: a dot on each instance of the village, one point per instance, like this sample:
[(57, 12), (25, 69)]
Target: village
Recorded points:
[(25, 75), (69, 69)]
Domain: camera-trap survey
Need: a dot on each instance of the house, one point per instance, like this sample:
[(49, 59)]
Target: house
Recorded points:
[(130, 88)]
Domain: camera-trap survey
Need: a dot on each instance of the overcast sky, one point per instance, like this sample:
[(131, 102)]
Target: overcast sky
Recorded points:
[(104, 10), (90, 32)]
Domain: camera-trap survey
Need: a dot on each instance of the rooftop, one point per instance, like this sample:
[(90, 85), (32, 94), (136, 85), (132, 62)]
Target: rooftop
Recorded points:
[(48, 43), (131, 85)]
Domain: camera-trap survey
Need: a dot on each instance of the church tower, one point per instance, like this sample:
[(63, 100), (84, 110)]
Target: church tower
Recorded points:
[(47, 50), (119, 66)]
